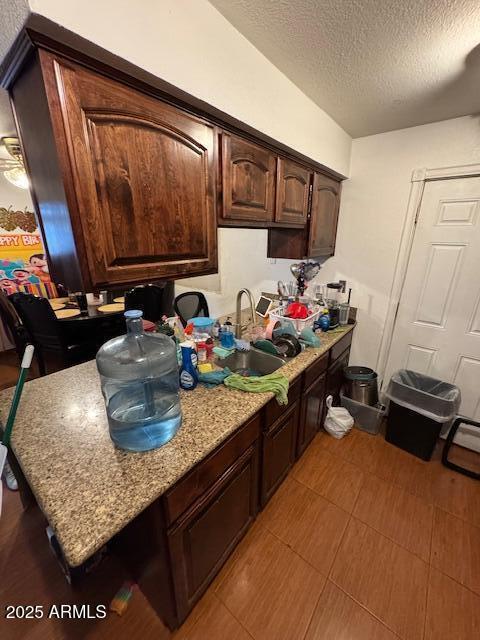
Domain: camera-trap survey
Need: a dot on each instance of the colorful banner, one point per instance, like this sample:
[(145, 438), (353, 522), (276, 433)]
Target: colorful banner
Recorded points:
[(23, 264)]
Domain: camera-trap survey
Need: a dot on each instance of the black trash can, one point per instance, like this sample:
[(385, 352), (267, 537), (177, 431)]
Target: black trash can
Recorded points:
[(419, 408)]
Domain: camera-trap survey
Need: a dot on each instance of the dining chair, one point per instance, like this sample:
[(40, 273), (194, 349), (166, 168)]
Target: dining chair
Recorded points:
[(16, 331), (154, 300), (47, 334), (190, 304)]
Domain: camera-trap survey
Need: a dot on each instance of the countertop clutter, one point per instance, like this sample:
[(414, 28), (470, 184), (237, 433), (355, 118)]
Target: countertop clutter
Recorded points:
[(88, 489)]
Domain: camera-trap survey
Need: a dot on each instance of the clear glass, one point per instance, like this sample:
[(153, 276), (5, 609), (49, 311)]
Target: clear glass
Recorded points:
[(139, 378), (343, 313)]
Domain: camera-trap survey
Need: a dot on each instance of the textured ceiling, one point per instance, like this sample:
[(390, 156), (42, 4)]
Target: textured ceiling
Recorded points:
[(372, 65), (13, 14)]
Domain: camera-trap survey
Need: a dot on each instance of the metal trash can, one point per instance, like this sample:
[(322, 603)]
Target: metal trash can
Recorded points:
[(419, 407)]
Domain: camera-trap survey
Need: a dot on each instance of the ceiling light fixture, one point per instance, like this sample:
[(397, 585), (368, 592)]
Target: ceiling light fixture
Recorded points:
[(13, 167)]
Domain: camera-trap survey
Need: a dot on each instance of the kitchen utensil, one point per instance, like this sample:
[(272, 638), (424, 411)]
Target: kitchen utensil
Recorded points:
[(110, 308), (67, 313), (24, 367), (81, 300), (288, 346), (343, 313), (56, 306)]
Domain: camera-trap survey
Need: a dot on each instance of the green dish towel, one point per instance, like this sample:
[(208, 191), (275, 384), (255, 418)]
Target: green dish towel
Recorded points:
[(275, 382)]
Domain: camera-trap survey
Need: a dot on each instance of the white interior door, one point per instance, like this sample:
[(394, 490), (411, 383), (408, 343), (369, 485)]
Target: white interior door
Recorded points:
[(437, 329)]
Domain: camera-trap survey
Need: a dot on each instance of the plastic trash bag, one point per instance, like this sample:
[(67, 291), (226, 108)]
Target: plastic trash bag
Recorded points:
[(338, 421)]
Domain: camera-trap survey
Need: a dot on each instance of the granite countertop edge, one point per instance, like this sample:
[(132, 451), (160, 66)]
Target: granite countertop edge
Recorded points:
[(82, 507)]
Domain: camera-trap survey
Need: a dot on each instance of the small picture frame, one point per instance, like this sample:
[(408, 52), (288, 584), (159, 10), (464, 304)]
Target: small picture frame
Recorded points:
[(263, 307)]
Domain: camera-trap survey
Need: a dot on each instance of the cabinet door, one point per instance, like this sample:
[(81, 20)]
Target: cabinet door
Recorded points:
[(207, 533), (335, 376), (139, 176), (248, 177), (278, 454), (324, 216), (311, 413), (293, 189)]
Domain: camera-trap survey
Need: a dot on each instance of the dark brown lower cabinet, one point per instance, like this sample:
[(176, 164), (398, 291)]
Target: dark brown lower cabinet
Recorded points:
[(278, 452), (311, 413), (206, 534), (335, 376)]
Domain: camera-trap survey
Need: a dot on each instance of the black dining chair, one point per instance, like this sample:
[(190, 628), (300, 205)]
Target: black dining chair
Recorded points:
[(16, 330), (154, 300), (190, 304), (47, 334)]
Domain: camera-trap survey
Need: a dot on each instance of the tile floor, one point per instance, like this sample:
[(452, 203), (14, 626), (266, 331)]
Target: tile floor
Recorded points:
[(361, 542)]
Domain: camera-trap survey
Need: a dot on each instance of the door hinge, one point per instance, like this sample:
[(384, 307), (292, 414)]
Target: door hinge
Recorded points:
[(310, 191), (417, 213)]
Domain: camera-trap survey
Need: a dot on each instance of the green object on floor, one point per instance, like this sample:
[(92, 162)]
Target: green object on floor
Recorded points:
[(214, 378), (277, 383)]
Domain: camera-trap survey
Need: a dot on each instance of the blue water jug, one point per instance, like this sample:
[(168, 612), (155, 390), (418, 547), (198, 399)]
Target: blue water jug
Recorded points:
[(139, 378)]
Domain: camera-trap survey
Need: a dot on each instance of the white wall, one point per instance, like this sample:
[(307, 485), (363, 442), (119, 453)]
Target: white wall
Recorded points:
[(190, 44), (242, 263), (374, 204)]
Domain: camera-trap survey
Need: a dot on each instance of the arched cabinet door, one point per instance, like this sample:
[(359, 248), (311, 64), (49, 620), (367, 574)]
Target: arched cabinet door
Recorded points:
[(293, 188), (248, 181), (139, 178), (324, 216)]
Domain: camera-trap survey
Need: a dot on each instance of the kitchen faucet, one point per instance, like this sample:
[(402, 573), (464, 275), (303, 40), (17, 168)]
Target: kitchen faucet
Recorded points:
[(238, 318)]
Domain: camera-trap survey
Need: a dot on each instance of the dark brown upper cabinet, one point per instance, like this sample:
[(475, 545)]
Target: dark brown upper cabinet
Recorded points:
[(134, 177), (293, 189), (324, 216), (248, 182), (317, 238)]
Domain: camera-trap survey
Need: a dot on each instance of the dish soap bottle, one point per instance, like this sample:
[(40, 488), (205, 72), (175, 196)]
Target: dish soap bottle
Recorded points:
[(139, 378), (188, 372)]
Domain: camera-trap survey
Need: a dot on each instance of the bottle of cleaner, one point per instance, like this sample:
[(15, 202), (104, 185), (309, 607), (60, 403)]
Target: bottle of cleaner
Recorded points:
[(188, 372)]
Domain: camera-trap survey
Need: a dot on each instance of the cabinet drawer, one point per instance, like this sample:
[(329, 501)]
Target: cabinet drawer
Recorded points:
[(314, 370), (207, 472), (337, 350), (273, 410)]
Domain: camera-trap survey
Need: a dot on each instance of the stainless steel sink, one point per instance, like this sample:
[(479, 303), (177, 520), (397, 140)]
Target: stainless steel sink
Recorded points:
[(252, 363)]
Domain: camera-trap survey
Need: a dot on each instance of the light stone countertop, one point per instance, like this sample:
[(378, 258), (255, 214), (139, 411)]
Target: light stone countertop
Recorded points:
[(88, 489)]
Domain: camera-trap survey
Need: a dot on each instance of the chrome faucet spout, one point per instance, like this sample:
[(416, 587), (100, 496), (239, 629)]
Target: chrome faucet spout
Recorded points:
[(238, 317)]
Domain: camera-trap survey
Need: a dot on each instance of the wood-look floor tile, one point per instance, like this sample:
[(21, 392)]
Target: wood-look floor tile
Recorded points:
[(453, 612), (456, 549), (338, 617), (270, 589), (402, 469), (397, 514), (385, 578), (329, 475), (306, 522), (357, 447), (455, 493), (212, 621)]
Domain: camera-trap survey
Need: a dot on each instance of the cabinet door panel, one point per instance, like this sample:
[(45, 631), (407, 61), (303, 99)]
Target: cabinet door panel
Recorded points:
[(143, 177), (311, 414), (335, 375), (293, 187), (324, 216), (278, 455), (205, 536), (248, 174)]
